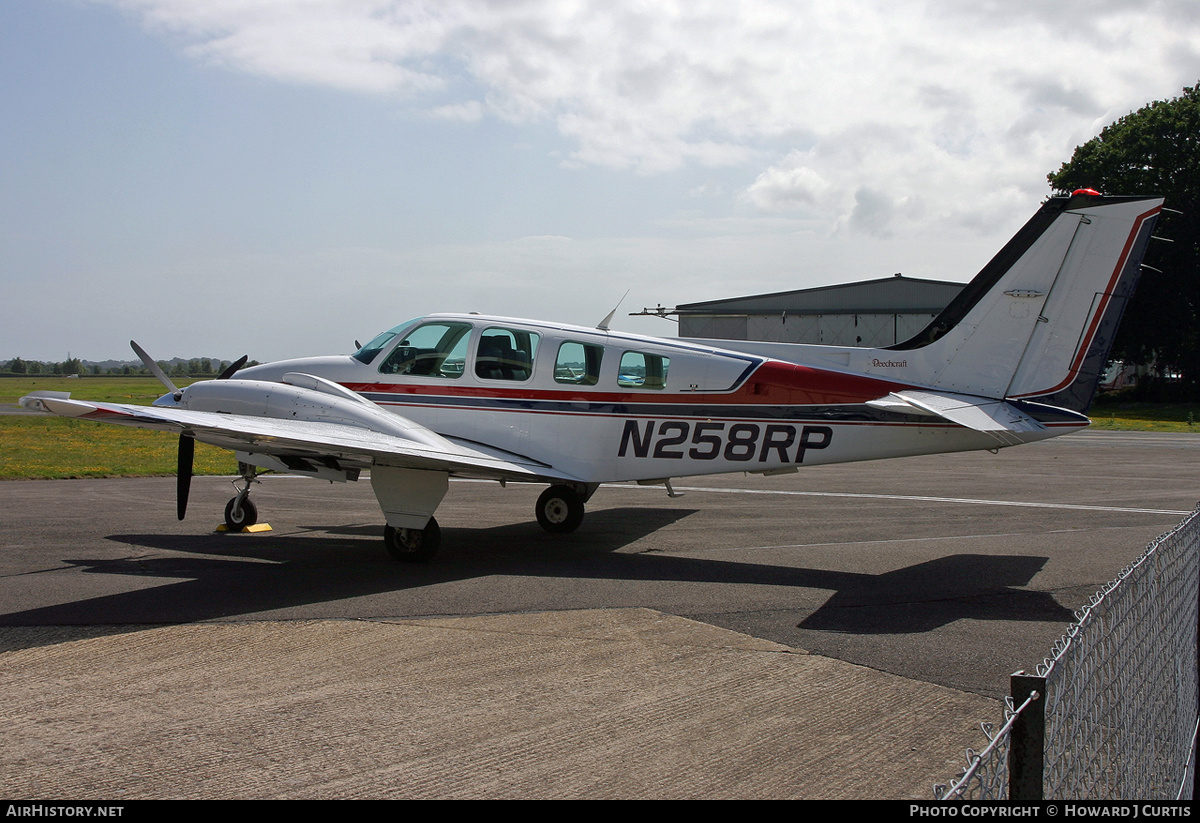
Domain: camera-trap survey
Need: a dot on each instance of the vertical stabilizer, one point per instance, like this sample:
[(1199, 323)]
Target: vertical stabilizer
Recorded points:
[(1038, 321)]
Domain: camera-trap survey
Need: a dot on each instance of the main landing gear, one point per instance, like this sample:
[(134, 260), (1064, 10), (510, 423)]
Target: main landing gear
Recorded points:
[(560, 509), (413, 545)]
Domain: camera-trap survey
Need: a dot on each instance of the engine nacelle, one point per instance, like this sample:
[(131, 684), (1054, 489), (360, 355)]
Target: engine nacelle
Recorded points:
[(300, 397)]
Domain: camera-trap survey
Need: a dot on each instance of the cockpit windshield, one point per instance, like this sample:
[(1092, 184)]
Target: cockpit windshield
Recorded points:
[(430, 350), (380, 342)]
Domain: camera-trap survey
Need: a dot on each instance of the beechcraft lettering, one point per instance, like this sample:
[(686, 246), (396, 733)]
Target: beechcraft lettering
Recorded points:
[(1015, 358), (736, 442)]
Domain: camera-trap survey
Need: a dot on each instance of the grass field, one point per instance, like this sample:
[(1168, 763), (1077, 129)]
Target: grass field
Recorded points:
[(36, 446), (134, 389), (1157, 417), (53, 447)]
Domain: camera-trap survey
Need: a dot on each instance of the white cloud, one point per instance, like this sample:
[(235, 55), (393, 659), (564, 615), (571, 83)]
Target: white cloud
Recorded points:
[(472, 111), (929, 102), (790, 185), (363, 45), (873, 212)]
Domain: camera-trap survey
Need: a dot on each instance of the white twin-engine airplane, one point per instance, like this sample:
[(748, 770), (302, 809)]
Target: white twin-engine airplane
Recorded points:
[(1014, 358)]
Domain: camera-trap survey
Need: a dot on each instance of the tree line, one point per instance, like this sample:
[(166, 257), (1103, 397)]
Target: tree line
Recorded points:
[(1155, 150), (178, 367)]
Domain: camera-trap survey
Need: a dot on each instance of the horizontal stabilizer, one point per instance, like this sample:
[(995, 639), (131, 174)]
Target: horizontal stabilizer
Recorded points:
[(998, 418)]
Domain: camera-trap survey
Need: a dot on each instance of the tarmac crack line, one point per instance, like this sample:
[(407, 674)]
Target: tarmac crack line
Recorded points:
[(894, 540), (931, 499)]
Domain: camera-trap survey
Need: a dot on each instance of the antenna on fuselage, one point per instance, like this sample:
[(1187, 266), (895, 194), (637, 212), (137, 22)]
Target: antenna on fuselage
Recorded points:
[(603, 324)]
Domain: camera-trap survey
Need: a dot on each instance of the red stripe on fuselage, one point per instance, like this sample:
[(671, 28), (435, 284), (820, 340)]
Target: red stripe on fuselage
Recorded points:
[(773, 383)]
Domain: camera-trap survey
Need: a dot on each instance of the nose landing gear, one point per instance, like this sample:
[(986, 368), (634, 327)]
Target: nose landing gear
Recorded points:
[(240, 511)]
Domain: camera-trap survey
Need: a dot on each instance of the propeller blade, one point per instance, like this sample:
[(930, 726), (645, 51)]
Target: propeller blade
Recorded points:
[(232, 368), (183, 474), (153, 367)]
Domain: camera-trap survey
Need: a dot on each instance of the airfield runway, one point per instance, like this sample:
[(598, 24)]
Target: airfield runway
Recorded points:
[(840, 632)]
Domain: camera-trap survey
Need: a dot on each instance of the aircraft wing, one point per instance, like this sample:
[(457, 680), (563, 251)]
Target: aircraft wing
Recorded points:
[(317, 442), (998, 418)]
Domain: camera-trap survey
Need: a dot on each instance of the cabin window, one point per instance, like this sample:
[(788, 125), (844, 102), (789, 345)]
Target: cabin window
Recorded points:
[(432, 350), (506, 354), (578, 364), (640, 370)]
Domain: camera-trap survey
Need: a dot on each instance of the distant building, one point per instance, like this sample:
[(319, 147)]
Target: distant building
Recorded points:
[(869, 313)]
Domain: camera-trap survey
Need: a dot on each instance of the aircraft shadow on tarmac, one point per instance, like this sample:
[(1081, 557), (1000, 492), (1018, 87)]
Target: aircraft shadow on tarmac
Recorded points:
[(223, 576)]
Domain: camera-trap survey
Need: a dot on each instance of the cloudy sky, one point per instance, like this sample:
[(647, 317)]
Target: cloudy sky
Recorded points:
[(280, 177)]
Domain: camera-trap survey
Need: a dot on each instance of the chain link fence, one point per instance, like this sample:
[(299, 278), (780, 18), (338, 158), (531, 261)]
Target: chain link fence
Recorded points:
[(1112, 713)]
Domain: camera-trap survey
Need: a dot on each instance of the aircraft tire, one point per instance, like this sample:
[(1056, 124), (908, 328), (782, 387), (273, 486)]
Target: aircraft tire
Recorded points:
[(249, 515), (411, 545), (560, 510)]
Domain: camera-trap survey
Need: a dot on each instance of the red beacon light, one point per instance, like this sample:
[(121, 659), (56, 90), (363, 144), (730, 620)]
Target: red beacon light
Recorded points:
[(1086, 191)]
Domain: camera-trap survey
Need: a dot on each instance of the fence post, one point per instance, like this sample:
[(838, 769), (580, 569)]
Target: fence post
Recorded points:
[(1026, 750)]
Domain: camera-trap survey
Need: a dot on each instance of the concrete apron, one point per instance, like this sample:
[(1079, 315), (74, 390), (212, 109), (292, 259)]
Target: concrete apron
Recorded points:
[(620, 703)]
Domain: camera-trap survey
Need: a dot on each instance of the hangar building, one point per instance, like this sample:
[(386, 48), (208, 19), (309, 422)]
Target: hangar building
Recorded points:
[(869, 313)]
